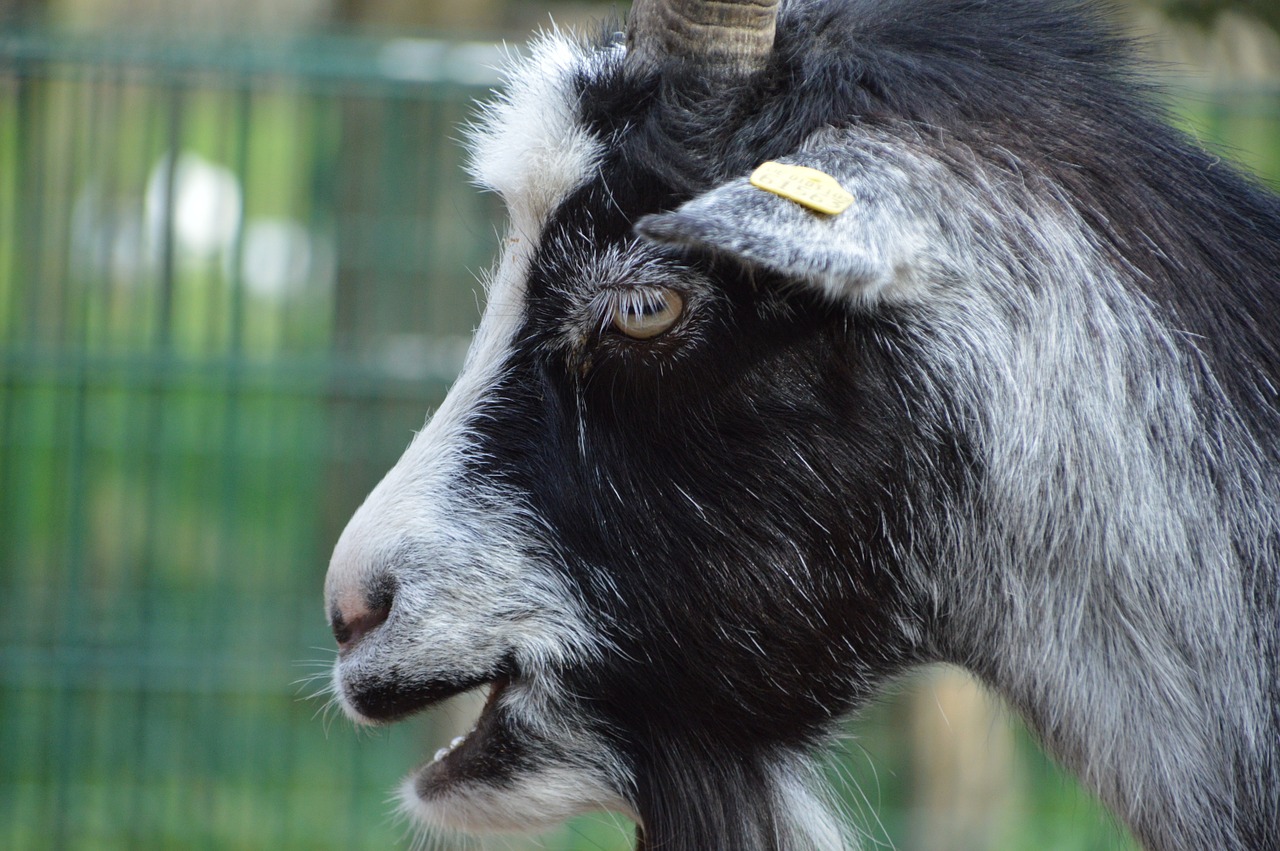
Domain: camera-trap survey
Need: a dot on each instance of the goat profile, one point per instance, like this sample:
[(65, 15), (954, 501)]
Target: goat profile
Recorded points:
[(719, 465)]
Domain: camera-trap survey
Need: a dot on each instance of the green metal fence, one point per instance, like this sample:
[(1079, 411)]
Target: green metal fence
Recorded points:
[(233, 279)]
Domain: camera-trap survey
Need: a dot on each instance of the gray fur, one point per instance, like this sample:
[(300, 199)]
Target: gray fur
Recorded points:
[(1092, 576)]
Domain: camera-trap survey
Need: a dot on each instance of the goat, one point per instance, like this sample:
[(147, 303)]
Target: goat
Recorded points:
[(718, 466)]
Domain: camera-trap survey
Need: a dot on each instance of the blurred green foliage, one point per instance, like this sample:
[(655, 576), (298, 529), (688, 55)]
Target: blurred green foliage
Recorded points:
[(1206, 12)]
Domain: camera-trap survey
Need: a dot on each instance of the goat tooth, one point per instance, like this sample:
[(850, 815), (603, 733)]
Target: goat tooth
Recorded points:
[(440, 754), (457, 741)]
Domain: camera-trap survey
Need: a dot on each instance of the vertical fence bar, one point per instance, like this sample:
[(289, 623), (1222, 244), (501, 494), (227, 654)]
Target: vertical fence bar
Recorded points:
[(72, 746), (157, 355), (18, 667)]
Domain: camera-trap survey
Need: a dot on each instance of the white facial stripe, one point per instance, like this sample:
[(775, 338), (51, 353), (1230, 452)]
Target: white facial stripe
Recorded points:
[(471, 593), (529, 145), (396, 506)]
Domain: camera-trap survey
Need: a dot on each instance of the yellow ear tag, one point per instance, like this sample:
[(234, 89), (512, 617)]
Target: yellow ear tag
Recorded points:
[(808, 187)]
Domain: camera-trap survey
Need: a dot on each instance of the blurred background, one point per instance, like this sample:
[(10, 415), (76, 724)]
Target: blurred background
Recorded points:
[(238, 264)]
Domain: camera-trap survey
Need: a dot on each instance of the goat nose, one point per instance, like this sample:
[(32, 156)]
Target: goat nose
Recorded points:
[(349, 627)]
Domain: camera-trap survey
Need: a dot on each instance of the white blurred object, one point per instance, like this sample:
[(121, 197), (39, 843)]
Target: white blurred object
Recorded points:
[(203, 200), (427, 60), (107, 237), (281, 258)]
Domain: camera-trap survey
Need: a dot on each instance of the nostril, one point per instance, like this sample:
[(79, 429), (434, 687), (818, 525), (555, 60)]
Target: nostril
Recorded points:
[(348, 630), (358, 607)]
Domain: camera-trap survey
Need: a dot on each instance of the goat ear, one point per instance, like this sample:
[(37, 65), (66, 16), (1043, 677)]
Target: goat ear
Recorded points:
[(874, 251)]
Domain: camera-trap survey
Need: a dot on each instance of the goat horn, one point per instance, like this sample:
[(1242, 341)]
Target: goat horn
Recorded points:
[(732, 36)]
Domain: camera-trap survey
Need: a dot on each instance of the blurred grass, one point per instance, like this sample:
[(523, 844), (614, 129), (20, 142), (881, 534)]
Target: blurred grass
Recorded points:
[(1240, 122), (182, 438)]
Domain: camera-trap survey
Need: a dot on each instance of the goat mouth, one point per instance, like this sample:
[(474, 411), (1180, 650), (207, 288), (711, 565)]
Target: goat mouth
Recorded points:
[(481, 755)]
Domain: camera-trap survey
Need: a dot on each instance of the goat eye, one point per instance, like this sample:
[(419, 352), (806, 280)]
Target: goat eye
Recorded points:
[(642, 314)]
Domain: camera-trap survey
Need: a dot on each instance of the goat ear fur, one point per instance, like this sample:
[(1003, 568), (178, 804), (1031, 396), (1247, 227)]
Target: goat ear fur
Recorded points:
[(874, 251)]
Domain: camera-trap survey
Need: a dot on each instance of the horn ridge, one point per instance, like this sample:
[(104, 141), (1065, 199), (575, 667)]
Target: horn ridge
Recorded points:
[(729, 36)]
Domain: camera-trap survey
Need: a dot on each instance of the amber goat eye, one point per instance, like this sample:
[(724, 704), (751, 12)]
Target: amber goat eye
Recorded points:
[(645, 313)]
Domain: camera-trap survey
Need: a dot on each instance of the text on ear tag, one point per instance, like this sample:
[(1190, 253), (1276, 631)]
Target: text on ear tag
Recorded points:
[(808, 187)]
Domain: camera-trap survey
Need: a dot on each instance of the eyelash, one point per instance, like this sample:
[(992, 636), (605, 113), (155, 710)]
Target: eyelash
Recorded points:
[(640, 313)]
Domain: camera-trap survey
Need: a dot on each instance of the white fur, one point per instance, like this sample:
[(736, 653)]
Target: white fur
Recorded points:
[(460, 554), (541, 798), (813, 818), (559, 787), (471, 545), (528, 145), (1117, 587)]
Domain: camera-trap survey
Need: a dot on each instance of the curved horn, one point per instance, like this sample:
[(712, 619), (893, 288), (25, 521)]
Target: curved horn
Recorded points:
[(733, 36)]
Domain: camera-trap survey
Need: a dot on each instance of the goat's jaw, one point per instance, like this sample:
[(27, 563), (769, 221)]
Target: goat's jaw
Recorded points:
[(505, 776), (526, 763)]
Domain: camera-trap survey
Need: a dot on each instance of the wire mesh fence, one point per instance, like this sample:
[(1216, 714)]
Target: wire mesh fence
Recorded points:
[(232, 282), (234, 277)]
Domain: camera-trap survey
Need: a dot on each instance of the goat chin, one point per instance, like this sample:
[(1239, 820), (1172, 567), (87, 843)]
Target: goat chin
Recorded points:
[(718, 466), (503, 776)]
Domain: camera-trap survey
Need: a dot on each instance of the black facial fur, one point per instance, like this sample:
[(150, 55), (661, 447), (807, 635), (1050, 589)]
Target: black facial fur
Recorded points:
[(683, 474)]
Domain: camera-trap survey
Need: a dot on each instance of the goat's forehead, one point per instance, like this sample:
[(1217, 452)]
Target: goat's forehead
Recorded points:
[(530, 144)]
